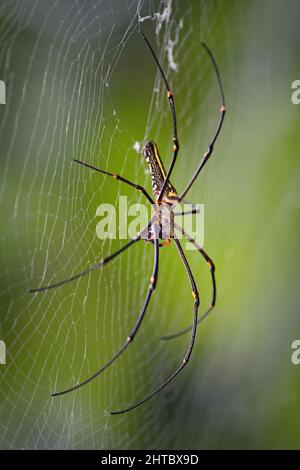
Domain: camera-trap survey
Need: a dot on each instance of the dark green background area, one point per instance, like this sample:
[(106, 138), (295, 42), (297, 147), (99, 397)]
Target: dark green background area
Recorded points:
[(81, 84)]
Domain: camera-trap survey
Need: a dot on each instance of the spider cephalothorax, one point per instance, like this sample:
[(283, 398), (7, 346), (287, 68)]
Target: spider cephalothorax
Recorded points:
[(162, 226)]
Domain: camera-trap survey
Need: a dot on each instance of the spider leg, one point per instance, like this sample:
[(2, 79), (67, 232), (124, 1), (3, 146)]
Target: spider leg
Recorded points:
[(191, 342), (183, 213), (119, 178), (213, 279), (188, 328), (131, 336), (91, 268), (219, 126), (170, 97)]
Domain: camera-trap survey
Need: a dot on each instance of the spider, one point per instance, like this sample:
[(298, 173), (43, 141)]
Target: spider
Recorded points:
[(162, 227)]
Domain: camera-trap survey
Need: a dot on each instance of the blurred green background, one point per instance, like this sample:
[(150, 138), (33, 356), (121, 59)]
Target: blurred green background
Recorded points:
[(81, 84)]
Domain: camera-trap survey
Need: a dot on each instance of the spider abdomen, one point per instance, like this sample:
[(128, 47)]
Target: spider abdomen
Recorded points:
[(157, 169)]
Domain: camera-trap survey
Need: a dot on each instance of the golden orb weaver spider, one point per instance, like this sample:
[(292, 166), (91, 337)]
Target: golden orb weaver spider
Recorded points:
[(166, 198)]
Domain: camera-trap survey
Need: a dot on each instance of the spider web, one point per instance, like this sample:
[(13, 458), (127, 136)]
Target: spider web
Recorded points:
[(81, 84)]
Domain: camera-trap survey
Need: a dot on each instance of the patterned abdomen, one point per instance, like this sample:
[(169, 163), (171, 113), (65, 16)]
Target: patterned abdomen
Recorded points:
[(157, 170)]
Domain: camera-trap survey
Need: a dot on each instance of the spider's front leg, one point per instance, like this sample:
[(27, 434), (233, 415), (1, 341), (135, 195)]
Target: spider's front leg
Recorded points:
[(138, 187), (210, 149), (170, 96)]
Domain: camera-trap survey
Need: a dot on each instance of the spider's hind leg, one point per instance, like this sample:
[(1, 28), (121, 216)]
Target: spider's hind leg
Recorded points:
[(189, 350), (132, 334), (213, 280)]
